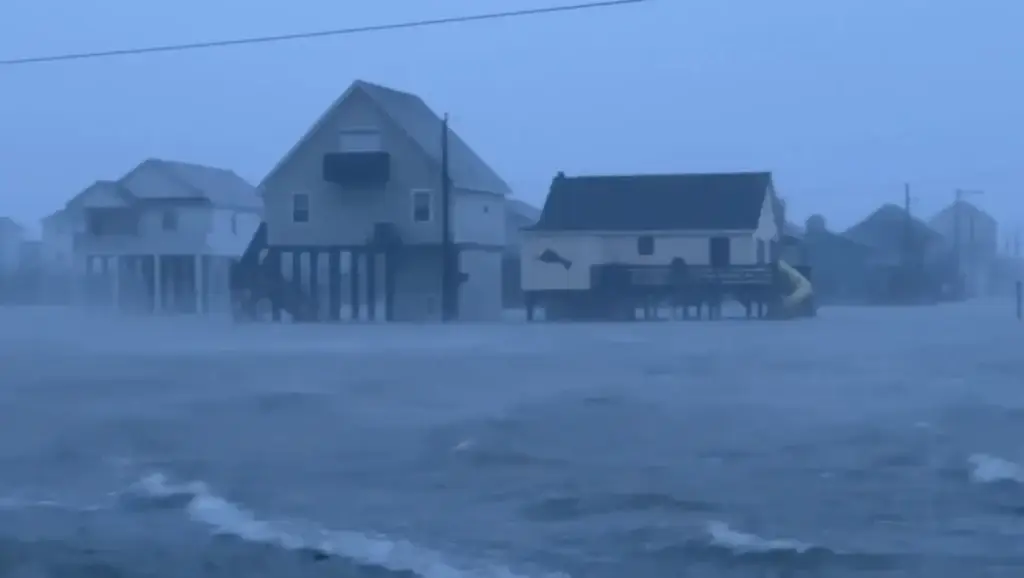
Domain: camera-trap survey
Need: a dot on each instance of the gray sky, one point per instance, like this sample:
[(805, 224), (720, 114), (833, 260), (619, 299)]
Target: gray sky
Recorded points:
[(843, 99)]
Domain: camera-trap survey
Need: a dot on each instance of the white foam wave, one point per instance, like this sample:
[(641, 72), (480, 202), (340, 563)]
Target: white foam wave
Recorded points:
[(743, 543), (988, 469), (225, 517)]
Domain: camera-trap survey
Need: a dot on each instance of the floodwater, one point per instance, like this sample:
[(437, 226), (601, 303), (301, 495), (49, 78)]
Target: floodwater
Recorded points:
[(867, 442)]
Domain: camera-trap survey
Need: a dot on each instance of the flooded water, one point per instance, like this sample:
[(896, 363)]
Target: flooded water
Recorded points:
[(867, 442)]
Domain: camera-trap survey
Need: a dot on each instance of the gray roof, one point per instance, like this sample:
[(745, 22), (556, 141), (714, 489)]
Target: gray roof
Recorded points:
[(724, 201), (221, 187), (886, 228), (423, 126)]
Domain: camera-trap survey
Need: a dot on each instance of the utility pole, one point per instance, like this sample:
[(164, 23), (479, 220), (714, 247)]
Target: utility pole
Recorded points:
[(447, 274), (907, 227)]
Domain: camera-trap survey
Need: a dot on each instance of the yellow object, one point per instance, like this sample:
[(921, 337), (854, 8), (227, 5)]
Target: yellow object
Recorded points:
[(803, 288)]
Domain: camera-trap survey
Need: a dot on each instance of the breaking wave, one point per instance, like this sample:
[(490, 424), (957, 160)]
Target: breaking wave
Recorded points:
[(375, 553)]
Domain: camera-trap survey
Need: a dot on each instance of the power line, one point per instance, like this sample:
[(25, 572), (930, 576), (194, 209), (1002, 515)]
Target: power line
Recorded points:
[(315, 34)]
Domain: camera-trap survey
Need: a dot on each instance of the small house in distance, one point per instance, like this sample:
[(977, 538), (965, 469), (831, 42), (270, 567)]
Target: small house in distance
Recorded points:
[(353, 226), (605, 245)]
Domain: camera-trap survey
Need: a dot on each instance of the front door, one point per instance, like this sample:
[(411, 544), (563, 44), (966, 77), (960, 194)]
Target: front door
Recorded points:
[(720, 254)]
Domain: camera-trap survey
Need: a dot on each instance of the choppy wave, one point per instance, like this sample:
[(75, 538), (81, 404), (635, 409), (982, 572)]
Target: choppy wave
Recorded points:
[(989, 469), (371, 552)]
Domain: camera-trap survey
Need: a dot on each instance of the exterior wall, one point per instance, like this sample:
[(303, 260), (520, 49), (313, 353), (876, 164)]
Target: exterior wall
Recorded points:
[(582, 250), (589, 249), (340, 216), (201, 230), (189, 238), (478, 218), (480, 295)]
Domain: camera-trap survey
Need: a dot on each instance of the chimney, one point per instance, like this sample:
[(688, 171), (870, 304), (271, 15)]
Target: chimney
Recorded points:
[(560, 175)]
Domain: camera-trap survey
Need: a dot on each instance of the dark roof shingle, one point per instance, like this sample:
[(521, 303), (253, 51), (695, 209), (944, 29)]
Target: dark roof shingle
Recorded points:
[(726, 201)]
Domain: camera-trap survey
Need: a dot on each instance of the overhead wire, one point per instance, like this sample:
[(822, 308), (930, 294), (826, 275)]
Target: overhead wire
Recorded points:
[(185, 46)]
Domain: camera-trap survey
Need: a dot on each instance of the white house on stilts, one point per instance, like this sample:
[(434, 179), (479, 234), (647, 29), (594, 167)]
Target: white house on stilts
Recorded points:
[(161, 239)]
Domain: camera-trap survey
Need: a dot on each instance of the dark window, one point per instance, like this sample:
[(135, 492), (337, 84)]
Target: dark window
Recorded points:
[(760, 252), (421, 206), (719, 252), (169, 220), (300, 208), (645, 245)]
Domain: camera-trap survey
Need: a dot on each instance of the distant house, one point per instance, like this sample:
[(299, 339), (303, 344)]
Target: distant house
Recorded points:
[(714, 222), (909, 260), (354, 216), (974, 236), (893, 235), (160, 238), (12, 235)]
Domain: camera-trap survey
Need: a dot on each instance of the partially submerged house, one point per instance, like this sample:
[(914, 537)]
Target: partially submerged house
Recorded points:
[(973, 236), (354, 218), (604, 244), (160, 239)]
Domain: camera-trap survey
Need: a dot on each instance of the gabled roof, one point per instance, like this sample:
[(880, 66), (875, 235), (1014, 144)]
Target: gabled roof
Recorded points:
[(723, 201), (423, 126), (968, 211), (221, 187), (886, 229)]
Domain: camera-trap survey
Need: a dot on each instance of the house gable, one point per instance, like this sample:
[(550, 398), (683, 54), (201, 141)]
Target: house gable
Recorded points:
[(346, 216)]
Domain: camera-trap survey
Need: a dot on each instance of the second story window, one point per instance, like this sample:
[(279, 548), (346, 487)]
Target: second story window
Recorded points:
[(300, 208), (359, 140), (422, 211), (169, 220)]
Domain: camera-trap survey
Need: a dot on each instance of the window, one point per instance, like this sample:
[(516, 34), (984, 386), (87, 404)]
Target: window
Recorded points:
[(234, 223), (169, 220), (645, 245), (359, 140), (720, 252), (300, 208), (421, 206), (761, 257)]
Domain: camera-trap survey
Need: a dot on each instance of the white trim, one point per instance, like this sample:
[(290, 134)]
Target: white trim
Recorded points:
[(430, 204)]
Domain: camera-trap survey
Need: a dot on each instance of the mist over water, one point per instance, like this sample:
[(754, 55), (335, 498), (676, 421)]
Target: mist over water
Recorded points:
[(867, 442)]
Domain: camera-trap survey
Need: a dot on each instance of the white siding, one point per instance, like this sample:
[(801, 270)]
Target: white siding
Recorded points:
[(582, 250), (480, 295), (478, 218)]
